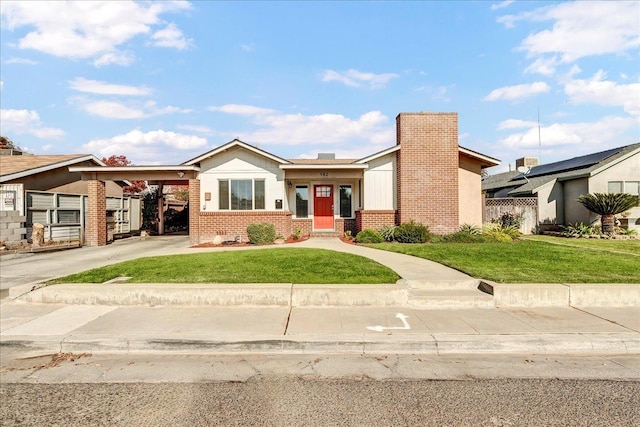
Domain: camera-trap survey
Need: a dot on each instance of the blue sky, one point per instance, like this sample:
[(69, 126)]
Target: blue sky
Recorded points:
[(162, 82)]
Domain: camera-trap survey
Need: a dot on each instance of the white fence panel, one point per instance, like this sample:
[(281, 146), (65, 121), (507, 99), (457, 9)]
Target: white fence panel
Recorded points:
[(527, 206)]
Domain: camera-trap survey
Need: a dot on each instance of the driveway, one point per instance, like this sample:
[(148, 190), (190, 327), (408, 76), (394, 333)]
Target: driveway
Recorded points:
[(28, 268)]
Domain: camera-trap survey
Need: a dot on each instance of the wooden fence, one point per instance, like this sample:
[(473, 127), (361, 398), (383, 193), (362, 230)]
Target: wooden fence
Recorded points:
[(527, 206)]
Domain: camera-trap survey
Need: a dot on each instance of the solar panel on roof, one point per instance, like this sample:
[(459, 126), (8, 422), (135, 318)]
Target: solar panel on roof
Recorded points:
[(571, 164)]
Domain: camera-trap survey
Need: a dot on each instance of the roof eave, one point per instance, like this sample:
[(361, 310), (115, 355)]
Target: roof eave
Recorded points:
[(45, 168), (231, 144), (324, 166)]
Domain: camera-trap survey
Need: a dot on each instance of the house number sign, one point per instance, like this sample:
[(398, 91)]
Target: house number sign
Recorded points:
[(324, 173)]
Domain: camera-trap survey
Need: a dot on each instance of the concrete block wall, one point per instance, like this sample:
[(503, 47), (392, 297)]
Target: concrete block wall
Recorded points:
[(12, 229), (427, 181)]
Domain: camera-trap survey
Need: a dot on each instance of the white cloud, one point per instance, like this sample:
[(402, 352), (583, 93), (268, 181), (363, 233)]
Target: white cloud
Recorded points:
[(355, 78), (580, 29), (119, 110), (23, 61), (26, 122), (514, 93), (585, 137), (516, 124), (80, 30), (103, 88), (501, 5), (597, 90), (171, 36), (276, 128), (115, 57), (544, 66), (139, 145), (242, 109), (248, 47), (204, 130), (437, 93)]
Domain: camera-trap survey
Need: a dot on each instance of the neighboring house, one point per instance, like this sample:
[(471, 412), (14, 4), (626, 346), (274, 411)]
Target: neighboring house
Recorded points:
[(426, 177), (558, 185), (40, 189)]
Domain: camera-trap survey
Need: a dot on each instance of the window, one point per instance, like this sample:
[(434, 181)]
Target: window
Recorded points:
[(615, 187), (302, 201), (238, 194), (631, 187), (345, 201)]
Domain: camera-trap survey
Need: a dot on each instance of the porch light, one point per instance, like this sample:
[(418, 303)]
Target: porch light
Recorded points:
[(289, 184), (180, 174)]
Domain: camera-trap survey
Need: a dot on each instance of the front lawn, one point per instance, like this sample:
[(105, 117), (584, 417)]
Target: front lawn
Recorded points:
[(530, 261), (296, 265), (616, 246)]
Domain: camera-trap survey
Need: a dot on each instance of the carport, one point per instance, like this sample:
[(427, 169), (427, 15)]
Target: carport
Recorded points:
[(96, 232)]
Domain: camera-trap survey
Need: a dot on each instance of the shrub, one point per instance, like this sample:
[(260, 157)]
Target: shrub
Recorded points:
[(388, 233), (261, 233), (463, 237), (497, 235), (369, 236), (509, 219), (412, 232), (578, 229), (470, 229)]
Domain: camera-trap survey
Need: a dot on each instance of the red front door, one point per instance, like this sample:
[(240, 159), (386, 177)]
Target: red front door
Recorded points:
[(323, 207)]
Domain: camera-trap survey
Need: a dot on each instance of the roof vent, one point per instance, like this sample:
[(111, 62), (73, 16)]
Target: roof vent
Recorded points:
[(326, 156)]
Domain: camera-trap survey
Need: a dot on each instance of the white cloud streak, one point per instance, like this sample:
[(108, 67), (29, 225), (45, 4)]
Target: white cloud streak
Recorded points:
[(103, 88), (597, 90), (580, 29), (82, 30), (355, 78), (138, 145), (517, 92), (28, 122)]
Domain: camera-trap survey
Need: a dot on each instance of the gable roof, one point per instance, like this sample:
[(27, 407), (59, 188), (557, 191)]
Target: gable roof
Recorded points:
[(564, 170), (231, 144), (15, 167)]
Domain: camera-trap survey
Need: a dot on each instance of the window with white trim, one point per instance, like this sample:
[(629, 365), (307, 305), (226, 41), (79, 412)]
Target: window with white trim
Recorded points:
[(631, 187), (241, 194)]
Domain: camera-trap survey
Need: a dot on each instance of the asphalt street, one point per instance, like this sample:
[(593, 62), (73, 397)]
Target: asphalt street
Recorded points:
[(304, 402)]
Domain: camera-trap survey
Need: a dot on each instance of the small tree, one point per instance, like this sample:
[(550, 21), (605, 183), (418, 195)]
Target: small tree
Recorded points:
[(136, 187), (608, 205)]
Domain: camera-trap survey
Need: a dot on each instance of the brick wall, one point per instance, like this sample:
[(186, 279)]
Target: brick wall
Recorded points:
[(96, 227), (12, 230), (194, 211), (304, 224), (374, 219), (231, 224), (428, 170)]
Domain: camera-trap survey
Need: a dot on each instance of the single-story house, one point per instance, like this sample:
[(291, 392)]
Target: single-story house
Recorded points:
[(40, 189), (426, 177), (558, 185)]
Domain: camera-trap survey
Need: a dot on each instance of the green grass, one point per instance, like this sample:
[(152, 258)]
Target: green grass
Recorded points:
[(616, 246), (296, 265), (530, 261)]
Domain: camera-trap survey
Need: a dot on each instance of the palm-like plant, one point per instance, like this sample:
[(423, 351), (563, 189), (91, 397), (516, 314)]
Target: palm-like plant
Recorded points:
[(608, 205)]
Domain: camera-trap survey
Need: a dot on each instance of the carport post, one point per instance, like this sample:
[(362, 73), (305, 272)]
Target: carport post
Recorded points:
[(160, 208), (97, 213)]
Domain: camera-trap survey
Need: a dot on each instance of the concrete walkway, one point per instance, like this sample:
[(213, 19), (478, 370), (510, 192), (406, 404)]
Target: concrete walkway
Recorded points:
[(294, 319)]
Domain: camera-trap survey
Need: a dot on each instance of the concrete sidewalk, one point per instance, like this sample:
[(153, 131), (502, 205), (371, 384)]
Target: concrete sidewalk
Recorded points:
[(39, 328)]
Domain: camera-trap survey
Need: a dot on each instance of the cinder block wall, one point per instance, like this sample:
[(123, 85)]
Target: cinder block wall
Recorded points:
[(428, 170), (12, 230)]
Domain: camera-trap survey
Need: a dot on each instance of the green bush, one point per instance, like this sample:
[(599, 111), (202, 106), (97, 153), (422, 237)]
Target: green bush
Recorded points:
[(578, 229), (497, 235), (470, 229), (412, 232), (369, 236), (388, 232), (262, 233), (463, 237)]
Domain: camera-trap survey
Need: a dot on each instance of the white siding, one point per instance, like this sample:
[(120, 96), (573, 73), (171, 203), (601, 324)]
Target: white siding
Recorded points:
[(12, 198), (240, 164), (379, 189)]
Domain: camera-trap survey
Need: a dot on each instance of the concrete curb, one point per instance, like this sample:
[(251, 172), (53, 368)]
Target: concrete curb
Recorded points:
[(405, 293), (435, 344)]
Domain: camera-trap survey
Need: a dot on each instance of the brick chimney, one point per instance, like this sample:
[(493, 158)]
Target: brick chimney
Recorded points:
[(428, 170)]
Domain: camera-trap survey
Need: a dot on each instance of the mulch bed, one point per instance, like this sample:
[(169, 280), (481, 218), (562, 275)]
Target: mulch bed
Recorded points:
[(290, 240)]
